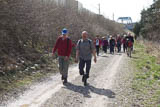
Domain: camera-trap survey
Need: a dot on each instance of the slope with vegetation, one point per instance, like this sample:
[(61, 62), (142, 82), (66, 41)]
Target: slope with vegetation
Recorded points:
[(28, 31)]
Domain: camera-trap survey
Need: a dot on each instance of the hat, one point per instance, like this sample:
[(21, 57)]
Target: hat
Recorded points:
[(64, 31)]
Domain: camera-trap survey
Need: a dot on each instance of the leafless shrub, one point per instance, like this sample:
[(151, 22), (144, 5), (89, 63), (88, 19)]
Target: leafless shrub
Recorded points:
[(28, 26)]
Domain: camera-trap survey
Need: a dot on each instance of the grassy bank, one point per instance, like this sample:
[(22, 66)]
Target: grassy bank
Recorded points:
[(146, 83)]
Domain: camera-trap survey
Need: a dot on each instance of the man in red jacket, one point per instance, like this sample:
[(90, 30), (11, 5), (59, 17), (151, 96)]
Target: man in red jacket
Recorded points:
[(64, 47)]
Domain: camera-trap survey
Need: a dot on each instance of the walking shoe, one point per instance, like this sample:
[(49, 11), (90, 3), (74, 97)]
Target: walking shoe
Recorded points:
[(62, 78), (83, 78), (85, 82), (87, 76), (81, 72), (65, 81)]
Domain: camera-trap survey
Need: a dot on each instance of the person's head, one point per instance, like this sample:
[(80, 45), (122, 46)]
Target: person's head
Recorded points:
[(129, 34), (97, 36), (111, 37), (64, 32), (84, 35)]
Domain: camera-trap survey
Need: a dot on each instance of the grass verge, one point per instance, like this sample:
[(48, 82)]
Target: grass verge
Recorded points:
[(146, 83)]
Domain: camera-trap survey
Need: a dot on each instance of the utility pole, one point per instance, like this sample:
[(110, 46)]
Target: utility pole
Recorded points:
[(113, 16), (99, 5)]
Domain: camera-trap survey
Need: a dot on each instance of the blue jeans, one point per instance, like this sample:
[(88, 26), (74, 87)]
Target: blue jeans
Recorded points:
[(82, 64)]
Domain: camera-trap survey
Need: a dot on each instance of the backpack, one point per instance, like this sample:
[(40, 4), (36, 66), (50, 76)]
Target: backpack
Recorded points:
[(119, 41), (88, 41), (130, 44), (113, 42), (67, 45)]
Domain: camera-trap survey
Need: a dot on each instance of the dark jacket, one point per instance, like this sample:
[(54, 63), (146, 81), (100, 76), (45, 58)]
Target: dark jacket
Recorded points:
[(112, 42)]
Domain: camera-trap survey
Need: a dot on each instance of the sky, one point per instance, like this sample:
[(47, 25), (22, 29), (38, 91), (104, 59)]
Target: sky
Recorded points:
[(120, 8)]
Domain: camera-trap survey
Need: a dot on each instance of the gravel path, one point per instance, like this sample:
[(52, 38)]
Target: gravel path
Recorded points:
[(108, 81)]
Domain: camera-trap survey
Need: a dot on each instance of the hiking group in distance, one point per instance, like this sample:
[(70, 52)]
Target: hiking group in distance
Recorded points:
[(86, 49)]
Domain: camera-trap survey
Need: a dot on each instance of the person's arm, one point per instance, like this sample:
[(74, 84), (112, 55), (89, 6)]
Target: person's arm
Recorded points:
[(93, 52), (110, 42), (77, 55), (69, 48), (94, 42), (55, 47), (133, 39), (77, 52)]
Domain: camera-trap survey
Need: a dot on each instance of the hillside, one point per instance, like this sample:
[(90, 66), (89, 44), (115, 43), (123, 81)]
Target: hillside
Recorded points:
[(28, 31), (29, 28)]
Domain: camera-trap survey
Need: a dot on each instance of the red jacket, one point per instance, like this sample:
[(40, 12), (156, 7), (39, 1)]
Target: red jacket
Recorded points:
[(61, 46), (124, 41)]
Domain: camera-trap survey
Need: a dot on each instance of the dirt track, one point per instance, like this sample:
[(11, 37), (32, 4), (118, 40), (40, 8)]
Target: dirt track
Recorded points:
[(102, 90)]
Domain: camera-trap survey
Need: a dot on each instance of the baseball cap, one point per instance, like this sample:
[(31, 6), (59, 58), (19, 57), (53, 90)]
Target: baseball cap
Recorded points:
[(64, 31)]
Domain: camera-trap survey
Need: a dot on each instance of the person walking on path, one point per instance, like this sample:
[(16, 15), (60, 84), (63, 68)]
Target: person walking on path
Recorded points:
[(104, 44), (64, 47), (124, 43), (119, 40), (131, 39), (97, 43), (84, 51), (112, 45)]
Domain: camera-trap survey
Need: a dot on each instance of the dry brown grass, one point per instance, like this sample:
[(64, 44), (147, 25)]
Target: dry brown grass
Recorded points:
[(153, 48)]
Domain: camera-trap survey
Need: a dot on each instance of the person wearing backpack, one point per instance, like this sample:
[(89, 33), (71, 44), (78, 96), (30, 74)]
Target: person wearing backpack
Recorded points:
[(84, 51), (112, 44), (97, 43), (124, 43), (119, 43), (104, 44), (64, 47)]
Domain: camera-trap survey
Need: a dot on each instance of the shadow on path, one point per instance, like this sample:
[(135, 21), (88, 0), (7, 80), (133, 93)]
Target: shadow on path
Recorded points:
[(89, 88), (104, 56), (134, 57), (118, 54)]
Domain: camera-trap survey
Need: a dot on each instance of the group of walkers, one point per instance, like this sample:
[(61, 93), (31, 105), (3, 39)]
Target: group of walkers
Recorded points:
[(85, 49), (114, 43)]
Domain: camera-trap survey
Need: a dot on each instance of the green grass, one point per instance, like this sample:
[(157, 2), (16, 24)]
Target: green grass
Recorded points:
[(146, 83)]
